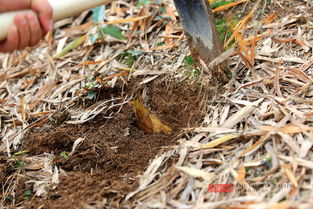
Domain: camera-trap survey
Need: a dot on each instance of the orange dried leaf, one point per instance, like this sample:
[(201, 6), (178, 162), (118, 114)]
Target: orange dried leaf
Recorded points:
[(283, 40), (287, 168), (309, 114), (219, 141), (110, 77), (148, 122), (241, 175), (23, 108), (16, 123), (127, 20), (281, 205), (21, 58), (83, 27), (287, 129), (242, 24), (252, 51), (299, 74), (257, 37), (93, 62), (40, 122), (160, 47), (168, 31), (19, 74), (245, 60), (269, 19), (256, 145), (288, 40), (224, 7), (242, 45), (34, 166)]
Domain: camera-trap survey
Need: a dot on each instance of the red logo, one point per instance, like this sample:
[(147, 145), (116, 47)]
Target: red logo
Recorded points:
[(221, 188)]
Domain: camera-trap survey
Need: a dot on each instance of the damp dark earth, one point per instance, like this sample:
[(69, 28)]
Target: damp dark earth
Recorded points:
[(114, 151)]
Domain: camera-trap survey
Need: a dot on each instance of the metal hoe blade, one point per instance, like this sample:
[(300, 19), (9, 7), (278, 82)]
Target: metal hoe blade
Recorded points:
[(200, 29)]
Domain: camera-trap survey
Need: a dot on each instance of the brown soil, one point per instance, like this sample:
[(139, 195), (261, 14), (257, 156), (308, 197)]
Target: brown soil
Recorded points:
[(115, 151)]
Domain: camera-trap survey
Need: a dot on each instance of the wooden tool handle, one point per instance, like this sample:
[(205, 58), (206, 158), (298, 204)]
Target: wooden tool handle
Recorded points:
[(61, 9)]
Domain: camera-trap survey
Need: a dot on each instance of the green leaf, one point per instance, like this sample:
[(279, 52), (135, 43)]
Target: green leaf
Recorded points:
[(113, 31), (143, 3), (134, 52), (93, 38), (18, 164), (90, 85), (161, 43), (189, 60), (21, 152), (91, 78), (98, 14), (64, 155), (74, 44), (216, 4), (28, 193), (196, 72), (91, 95)]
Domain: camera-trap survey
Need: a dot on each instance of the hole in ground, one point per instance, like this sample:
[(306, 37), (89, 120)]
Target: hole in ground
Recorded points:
[(114, 151)]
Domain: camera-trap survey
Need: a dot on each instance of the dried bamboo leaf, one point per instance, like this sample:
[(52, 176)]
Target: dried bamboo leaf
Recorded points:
[(74, 44), (241, 114), (194, 172), (256, 145), (219, 141)]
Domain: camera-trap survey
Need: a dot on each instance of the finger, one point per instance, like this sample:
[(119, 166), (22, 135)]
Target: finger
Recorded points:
[(7, 5), (35, 30), (23, 29), (12, 41), (44, 10)]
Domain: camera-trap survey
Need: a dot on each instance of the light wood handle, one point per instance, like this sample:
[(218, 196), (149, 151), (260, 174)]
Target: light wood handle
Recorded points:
[(61, 9)]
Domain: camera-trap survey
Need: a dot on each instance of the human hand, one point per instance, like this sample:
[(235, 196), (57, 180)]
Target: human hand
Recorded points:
[(28, 28)]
